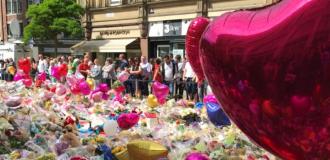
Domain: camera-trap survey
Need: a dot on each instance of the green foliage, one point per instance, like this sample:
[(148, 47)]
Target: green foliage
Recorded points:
[(53, 17)]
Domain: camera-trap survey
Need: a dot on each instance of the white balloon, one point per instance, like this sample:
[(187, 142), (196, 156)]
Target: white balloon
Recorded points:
[(110, 127)]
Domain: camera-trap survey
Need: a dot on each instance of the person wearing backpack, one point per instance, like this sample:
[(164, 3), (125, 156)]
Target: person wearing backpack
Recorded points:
[(169, 69)]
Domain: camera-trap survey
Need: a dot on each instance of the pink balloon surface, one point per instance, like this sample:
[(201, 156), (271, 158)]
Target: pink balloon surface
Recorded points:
[(55, 72), (84, 88), (196, 156), (269, 68), (128, 120), (196, 29), (160, 91), (210, 99), (103, 87)]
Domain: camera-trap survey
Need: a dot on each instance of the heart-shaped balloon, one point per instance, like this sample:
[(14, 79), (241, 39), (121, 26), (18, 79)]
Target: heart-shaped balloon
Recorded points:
[(128, 120), (269, 68), (56, 73), (196, 29)]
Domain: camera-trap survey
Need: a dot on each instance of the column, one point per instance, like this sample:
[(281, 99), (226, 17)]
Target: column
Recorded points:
[(144, 29)]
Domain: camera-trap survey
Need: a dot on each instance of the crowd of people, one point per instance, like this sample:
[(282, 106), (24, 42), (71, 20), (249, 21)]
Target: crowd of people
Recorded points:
[(175, 72)]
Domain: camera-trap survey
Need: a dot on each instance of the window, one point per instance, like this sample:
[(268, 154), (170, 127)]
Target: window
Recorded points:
[(14, 6), (8, 31), (21, 28), (115, 2)]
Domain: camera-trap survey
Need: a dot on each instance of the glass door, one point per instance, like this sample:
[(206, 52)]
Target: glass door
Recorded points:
[(163, 50)]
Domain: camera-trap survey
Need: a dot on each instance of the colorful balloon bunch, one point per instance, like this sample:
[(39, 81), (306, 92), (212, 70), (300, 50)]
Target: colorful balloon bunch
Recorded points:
[(77, 84), (161, 92), (59, 71), (25, 78), (101, 92)]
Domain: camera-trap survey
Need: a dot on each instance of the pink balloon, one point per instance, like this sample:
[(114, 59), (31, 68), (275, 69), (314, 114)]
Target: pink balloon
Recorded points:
[(210, 99), (160, 91), (196, 156), (42, 76), (60, 89), (19, 75), (123, 76), (196, 29), (103, 87), (269, 68), (128, 120), (55, 72), (27, 82), (84, 88)]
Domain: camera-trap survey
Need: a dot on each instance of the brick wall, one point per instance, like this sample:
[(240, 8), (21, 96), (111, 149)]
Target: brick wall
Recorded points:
[(5, 19)]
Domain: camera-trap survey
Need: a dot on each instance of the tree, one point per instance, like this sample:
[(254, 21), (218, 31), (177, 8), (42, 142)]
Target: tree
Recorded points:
[(51, 18)]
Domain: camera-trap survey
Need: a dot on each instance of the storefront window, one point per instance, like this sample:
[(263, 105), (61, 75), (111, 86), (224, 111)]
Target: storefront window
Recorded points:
[(14, 6), (163, 50)]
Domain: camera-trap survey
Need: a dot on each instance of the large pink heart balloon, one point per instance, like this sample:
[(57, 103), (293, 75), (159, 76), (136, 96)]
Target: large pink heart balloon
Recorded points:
[(196, 29), (270, 69)]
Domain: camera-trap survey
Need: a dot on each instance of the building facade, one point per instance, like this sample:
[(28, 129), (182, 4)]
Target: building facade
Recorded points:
[(12, 19), (147, 27)]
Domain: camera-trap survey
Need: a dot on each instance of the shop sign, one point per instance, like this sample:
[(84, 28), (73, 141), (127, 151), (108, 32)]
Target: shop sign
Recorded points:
[(156, 29), (115, 32), (172, 28)]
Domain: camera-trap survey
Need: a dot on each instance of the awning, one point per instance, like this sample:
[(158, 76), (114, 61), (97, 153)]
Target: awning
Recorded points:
[(103, 46)]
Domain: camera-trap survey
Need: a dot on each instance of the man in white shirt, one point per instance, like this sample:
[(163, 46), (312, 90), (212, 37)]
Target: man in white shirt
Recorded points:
[(42, 64), (169, 69), (190, 78)]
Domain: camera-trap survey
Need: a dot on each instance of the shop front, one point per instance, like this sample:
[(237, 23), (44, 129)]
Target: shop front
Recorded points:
[(111, 42), (167, 37)]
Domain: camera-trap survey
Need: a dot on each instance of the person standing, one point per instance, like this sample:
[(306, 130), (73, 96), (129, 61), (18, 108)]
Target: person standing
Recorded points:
[(169, 69), (42, 64), (123, 64), (96, 72), (108, 72), (157, 75), (84, 67), (178, 78), (145, 69), (34, 68), (190, 79)]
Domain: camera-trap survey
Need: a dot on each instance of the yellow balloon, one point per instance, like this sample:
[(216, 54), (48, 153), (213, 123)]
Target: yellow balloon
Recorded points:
[(122, 155), (152, 101), (149, 150), (11, 70), (90, 83)]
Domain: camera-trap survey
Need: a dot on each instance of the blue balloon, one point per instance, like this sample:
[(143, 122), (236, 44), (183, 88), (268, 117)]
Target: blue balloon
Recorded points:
[(216, 115)]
